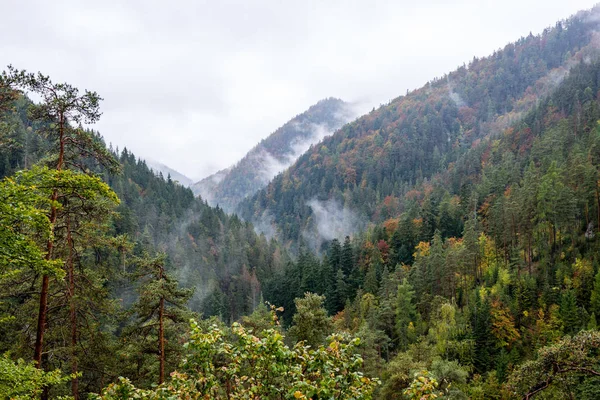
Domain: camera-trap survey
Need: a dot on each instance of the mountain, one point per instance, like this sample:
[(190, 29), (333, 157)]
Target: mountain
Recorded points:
[(208, 187), (204, 249), (160, 168), (488, 269), (469, 269), (366, 171), (273, 154)]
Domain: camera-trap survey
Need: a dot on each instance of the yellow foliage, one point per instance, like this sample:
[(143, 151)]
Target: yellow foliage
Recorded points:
[(503, 326), (421, 250), (583, 271)]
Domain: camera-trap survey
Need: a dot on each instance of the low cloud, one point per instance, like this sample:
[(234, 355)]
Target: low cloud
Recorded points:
[(331, 220), (265, 224), (454, 96), (271, 165)]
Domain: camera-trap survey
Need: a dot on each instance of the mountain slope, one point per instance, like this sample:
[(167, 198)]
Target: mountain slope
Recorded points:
[(273, 154), (207, 249), (511, 265), (160, 168), (217, 255), (365, 168)]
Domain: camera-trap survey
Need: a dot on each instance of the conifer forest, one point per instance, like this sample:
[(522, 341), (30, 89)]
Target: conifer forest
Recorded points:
[(445, 245)]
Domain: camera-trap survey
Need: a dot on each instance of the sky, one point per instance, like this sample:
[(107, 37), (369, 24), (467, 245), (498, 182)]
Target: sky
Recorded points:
[(196, 84)]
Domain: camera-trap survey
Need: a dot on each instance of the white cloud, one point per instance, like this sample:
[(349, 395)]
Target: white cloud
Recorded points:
[(196, 84), (331, 220)]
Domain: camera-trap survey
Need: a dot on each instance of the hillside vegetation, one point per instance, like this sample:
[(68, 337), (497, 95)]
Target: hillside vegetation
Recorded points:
[(370, 165), (445, 245)]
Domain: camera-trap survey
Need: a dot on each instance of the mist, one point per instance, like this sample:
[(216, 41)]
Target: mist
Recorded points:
[(272, 165), (330, 220)]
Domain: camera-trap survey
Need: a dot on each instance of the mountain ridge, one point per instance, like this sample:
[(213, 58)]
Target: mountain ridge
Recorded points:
[(382, 154), (273, 154), (165, 170)]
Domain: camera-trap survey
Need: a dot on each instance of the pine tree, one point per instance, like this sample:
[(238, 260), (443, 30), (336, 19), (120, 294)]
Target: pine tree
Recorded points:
[(310, 267), (340, 293), (310, 322), (405, 242), (435, 263), (327, 282), (80, 228), (370, 285), (347, 257), (160, 301), (472, 254), (406, 313), (595, 296), (569, 313), (335, 255), (481, 327), (61, 106)]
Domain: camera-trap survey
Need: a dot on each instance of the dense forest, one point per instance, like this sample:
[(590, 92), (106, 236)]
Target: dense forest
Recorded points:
[(471, 269), (137, 222), (492, 260), (371, 164)]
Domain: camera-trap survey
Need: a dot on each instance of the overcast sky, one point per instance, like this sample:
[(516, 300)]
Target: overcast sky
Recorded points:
[(196, 84)]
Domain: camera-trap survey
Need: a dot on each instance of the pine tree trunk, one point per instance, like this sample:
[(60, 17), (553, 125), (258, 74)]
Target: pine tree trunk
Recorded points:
[(161, 340), (161, 333), (73, 313), (43, 309), (39, 337)]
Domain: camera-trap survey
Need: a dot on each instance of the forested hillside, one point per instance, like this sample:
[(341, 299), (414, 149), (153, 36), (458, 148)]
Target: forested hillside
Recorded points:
[(101, 306), (490, 260), (368, 167), (469, 269), (273, 154), (209, 247)]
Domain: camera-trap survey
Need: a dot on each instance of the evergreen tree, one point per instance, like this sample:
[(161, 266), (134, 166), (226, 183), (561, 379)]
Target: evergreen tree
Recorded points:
[(370, 284), (481, 327), (595, 296), (310, 323), (406, 314), (159, 313), (435, 261), (347, 257), (334, 255), (61, 106), (340, 293), (569, 313)]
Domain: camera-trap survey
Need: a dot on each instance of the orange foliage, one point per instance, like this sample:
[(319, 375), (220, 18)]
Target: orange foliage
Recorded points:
[(453, 242), (414, 194), (391, 225), (427, 188), (483, 210), (350, 176)]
